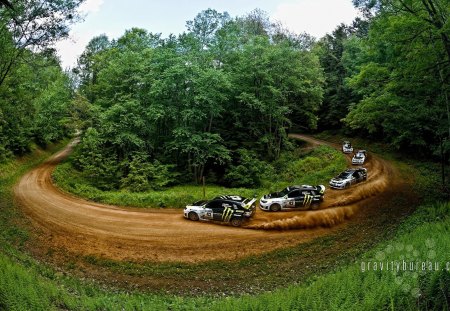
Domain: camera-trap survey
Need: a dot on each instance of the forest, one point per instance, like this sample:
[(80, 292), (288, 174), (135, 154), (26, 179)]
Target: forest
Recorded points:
[(219, 99)]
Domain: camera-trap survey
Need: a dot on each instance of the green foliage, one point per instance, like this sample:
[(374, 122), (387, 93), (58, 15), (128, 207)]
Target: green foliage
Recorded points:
[(144, 175), (402, 76), (249, 171), (435, 291), (331, 50), (97, 165), (193, 100), (52, 115), (292, 167), (34, 105)]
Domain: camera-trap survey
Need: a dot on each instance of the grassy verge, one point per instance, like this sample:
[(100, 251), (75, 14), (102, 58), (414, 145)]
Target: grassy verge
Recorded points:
[(314, 167), (366, 286)]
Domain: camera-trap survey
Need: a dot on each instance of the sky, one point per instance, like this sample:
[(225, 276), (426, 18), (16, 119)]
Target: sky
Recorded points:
[(113, 17)]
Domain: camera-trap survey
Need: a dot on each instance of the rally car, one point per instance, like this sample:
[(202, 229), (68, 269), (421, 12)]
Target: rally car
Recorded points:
[(359, 157), (293, 197), (347, 147), (227, 208), (348, 178)]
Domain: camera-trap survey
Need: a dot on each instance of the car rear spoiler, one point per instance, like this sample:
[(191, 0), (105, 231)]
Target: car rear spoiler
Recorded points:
[(249, 204), (322, 188)]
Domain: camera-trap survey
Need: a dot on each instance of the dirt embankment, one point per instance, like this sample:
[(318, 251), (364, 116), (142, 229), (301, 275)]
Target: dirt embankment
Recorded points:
[(81, 227)]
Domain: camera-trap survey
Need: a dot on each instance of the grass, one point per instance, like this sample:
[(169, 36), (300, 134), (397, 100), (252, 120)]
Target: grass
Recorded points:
[(315, 167), (26, 284), (355, 288)]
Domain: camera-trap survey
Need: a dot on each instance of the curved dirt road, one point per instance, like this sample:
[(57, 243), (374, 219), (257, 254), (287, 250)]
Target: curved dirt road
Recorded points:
[(81, 227)]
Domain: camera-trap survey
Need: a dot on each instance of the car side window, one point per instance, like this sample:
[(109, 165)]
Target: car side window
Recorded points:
[(214, 204), (294, 194)]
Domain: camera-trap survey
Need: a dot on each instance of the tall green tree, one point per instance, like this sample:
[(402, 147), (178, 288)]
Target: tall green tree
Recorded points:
[(33, 25), (404, 81)]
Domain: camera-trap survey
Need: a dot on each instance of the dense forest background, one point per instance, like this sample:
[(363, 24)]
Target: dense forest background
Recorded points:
[(219, 99)]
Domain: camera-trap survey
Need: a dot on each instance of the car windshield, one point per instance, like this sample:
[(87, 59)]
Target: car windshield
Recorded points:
[(358, 156), (200, 203), (344, 175), (283, 192)]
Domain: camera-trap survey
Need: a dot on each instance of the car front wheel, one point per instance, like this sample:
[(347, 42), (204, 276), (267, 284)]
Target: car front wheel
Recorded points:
[(193, 216), (236, 222), (275, 207), (315, 205)]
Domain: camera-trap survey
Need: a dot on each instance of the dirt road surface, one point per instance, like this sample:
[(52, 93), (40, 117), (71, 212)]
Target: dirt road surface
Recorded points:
[(85, 228)]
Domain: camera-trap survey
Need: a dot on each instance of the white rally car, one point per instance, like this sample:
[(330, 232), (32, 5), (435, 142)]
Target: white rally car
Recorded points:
[(293, 198), (360, 157), (347, 147)]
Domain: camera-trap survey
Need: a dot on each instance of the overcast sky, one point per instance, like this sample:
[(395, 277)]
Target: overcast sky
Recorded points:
[(113, 17)]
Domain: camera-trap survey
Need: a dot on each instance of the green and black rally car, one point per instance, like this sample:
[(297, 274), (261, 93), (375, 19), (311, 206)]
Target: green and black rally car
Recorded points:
[(227, 208)]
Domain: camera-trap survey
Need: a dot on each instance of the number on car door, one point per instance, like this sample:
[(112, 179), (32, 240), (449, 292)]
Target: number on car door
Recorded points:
[(296, 198)]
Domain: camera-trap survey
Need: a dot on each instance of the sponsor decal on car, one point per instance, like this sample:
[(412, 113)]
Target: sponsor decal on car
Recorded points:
[(226, 216)]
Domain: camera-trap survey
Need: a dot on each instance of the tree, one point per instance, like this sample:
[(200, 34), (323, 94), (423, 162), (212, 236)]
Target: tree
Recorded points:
[(404, 81), (337, 95), (89, 64), (33, 25), (205, 25)]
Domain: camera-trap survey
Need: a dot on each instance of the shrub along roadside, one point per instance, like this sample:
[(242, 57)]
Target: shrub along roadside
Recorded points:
[(314, 167)]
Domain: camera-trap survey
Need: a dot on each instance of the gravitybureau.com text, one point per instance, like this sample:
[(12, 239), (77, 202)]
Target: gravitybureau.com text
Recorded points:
[(404, 265)]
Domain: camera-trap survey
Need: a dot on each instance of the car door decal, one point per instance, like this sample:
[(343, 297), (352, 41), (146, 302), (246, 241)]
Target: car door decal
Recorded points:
[(307, 200), (226, 216)]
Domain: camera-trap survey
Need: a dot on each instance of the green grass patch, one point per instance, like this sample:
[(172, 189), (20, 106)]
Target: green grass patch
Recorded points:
[(313, 167)]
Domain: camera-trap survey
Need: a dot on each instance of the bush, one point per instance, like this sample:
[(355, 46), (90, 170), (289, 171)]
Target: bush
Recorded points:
[(98, 167), (249, 171), (144, 175), (322, 161), (435, 291)]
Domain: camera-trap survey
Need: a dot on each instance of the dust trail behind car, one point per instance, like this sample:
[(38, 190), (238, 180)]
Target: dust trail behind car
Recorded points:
[(321, 218)]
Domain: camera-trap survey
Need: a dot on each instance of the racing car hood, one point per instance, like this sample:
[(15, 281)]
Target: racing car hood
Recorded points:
[(338, 179), (272, 195), (197, 204)]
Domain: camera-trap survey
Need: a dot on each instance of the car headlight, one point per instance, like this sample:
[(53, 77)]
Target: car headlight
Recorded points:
[(263, 201)]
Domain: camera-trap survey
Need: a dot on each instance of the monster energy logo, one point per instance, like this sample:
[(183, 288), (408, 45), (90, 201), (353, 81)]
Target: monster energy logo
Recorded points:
[(307, 200), (226, 216)]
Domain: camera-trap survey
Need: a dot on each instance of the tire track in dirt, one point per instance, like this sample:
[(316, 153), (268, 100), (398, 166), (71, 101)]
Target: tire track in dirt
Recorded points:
[(69, 224)]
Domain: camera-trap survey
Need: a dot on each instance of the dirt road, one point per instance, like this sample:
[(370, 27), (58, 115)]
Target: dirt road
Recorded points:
[(81, 227)]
